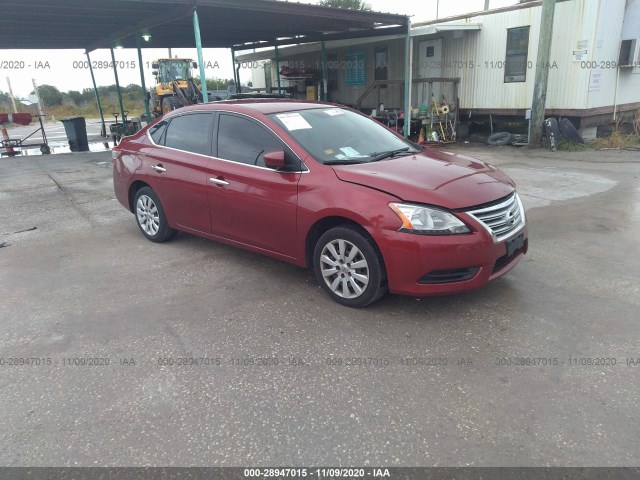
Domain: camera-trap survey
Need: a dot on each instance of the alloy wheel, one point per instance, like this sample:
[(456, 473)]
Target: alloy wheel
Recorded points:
[(148, 215), (344, 269)]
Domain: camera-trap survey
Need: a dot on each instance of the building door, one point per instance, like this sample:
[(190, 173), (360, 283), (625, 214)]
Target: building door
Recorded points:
[(430, 66)]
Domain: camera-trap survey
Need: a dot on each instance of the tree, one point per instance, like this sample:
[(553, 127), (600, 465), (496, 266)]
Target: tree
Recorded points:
[(218, 83), (76, 97), (49, 95), (347, 4), (4, 99)]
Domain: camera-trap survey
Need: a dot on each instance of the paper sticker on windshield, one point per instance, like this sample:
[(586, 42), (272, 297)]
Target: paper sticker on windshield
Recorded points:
[(351, 152), (293, 121), (334, 111)]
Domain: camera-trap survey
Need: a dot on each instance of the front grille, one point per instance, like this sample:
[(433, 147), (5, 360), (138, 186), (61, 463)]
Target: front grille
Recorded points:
[(448, 276), (502, 219)]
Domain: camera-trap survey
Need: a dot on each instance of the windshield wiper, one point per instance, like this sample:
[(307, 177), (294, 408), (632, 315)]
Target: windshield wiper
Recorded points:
[(391, 153)]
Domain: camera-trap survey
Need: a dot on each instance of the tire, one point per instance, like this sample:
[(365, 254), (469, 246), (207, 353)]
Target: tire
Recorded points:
[(169, 104), (150, 216), (569, 131), (499, 139), (338, 267)]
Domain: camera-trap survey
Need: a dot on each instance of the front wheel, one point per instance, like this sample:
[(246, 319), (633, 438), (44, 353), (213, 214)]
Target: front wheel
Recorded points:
[(150, 216), (170, 104), (349, 267)]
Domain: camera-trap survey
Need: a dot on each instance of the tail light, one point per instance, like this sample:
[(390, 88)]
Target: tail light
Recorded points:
[(115, 152)]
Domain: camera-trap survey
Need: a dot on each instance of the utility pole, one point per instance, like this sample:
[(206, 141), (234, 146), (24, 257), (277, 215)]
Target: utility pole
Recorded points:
[(486, 4), (35, 91), (13, 100), (542, 72)]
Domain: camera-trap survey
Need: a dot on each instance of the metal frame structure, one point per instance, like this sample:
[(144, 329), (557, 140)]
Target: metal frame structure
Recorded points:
[(249, 24), (9, 144)]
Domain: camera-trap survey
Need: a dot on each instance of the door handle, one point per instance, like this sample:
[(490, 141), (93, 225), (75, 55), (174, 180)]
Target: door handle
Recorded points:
[(158, 168), (217, 181)]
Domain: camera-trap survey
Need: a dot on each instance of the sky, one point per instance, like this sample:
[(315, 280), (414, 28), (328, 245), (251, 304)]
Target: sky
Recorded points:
[(67, 70)]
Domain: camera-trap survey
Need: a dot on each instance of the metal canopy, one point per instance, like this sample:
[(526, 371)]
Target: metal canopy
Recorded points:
[(236, 24)]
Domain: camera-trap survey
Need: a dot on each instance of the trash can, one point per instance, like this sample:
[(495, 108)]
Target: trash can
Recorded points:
[(76, 129)]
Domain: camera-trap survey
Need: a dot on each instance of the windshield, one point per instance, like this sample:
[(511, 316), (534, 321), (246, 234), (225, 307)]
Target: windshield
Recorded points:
[(174, 70), (336, 135)]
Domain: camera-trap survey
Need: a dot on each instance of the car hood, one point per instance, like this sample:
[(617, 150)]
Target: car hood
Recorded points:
[(436, 178)]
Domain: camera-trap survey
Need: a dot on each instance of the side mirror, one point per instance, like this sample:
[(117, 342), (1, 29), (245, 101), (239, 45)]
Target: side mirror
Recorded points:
[(274, 159), (194, 64), (155, 65), (154, 73)]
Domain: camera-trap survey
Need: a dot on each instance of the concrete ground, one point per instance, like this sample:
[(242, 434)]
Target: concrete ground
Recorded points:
[(274, 384)]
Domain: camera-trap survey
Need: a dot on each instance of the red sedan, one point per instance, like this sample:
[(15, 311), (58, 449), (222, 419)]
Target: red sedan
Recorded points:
[(323, 187)]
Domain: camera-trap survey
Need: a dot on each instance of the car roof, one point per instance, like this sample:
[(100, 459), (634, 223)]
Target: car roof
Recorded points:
[(265, 106)]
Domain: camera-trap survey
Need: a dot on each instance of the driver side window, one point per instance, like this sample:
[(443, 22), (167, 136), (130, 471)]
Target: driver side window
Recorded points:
[(244, 141)]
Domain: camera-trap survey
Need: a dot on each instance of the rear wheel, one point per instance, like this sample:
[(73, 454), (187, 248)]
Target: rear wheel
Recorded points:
[(169, 104), (150, 216), (349, 267)]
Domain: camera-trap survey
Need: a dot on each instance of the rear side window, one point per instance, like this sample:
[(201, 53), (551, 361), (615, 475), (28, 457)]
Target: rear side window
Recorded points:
[(244, 141), (191, 133), (157, 132)]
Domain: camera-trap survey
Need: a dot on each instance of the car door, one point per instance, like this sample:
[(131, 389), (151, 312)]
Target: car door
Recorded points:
[(249, 202), (178, 169)]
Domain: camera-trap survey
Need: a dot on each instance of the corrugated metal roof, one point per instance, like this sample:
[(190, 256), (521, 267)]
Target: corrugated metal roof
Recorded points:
[(92, 24), (449, 27)]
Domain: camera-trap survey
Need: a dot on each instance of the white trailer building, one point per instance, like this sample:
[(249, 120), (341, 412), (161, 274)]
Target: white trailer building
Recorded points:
[(485, 63)]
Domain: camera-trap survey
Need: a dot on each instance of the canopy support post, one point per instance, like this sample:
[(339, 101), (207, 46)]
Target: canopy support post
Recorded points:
[(203, 78), (144, 87), (115, 73), (236, 73), (278, 69), (103, 132), (325, 93)]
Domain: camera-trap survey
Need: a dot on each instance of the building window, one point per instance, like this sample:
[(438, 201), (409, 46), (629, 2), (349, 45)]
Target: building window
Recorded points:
[(516, 60), (382, 66), (354, 64)]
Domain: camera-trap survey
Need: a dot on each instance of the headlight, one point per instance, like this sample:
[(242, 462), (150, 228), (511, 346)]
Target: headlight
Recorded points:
[(427, 220)]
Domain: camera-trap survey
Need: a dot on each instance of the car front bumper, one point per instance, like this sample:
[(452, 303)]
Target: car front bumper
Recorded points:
[(425, 265)]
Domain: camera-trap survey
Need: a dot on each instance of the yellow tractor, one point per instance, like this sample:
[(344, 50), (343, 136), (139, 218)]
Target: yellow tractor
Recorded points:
[(175, 87)]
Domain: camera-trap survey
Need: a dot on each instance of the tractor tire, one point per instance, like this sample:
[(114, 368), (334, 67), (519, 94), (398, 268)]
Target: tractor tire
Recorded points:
[(170, 104), (569, 131)]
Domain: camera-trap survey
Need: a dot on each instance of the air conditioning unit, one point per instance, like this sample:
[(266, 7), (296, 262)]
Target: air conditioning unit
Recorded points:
[(628, 56)]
